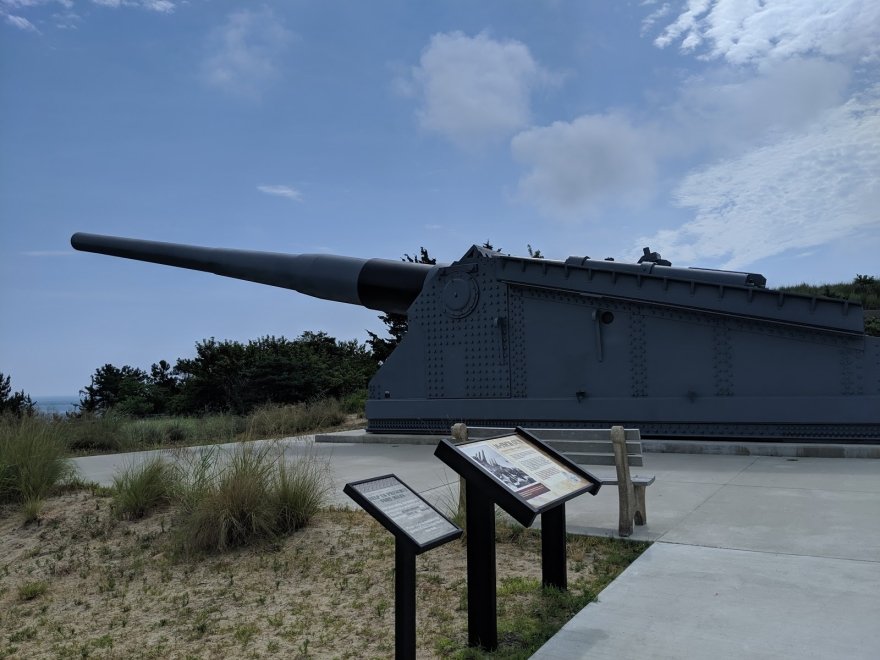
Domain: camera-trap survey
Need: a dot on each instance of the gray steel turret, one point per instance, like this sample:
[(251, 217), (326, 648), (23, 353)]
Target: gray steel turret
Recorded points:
[(496, 340)]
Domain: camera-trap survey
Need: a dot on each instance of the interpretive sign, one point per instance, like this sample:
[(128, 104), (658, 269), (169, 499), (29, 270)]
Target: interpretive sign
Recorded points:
[(527, 477), (417, 526), (526, 470), (402, 511)]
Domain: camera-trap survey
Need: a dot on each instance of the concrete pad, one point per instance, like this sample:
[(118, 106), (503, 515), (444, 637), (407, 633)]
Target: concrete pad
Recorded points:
[(690, 602), (668, 504), (842, 474), (694, 468), (793, 521), (415, 465), (789, 448)]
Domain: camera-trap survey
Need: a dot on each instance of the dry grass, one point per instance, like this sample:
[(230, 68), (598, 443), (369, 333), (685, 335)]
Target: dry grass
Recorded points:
[(84, 583)]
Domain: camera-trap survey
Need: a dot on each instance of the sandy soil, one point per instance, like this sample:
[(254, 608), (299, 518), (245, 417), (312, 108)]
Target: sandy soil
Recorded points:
[(81, 583)]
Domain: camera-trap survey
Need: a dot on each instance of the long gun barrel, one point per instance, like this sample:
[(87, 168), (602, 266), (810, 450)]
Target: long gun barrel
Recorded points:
[(382, 284)]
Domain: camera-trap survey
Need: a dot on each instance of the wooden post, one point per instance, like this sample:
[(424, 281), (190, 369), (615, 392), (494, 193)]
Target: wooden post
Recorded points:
[(624, 483), (641, 513)]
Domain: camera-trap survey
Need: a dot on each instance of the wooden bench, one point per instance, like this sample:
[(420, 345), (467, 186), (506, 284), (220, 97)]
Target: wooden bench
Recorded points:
[(616, 448)]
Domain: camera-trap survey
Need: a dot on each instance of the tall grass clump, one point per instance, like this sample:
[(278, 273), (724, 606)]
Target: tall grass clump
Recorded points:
[(299, 489), (274, 421), (250, 495), (182, 431), (141, 488), (32, 459)]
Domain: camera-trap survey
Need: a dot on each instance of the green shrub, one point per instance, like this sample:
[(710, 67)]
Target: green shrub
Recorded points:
[(250, 495), (221, 427), (355, 403), (32, 459), (151, 433), (141, 488), (97, 432)]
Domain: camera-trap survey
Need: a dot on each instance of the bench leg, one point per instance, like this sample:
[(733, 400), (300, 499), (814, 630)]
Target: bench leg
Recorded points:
[(624, 483), (641, 513)]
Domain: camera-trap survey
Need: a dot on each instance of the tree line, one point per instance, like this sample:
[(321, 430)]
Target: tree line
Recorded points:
[(233, 377)]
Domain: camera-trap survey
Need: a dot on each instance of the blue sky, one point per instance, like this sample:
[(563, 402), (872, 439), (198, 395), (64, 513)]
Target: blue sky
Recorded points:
[(721, 133)]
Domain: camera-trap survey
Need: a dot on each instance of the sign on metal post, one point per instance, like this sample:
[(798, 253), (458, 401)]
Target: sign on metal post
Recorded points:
[(526, 478), (417, 527)]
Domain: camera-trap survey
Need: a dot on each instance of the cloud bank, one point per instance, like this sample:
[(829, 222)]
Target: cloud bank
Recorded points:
[(812, 187), (796, 160)]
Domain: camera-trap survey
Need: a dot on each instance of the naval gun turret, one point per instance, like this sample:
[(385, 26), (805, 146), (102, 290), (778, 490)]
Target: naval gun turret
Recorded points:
[(498, 340)]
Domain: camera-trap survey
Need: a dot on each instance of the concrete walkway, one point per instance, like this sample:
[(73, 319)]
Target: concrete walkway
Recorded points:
[(754, 557)]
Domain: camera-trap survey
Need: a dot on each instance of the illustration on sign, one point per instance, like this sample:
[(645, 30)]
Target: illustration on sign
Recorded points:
[(524, 469), (406, 509)]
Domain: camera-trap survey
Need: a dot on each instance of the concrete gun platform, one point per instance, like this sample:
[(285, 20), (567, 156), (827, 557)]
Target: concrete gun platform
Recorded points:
[(754, 556)]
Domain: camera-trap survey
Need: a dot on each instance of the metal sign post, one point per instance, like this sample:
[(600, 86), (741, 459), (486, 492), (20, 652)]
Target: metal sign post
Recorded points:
[(417, 527), (526, 478), (482, 616)]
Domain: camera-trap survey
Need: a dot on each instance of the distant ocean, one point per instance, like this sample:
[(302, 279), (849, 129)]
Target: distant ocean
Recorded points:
[(56, 404)]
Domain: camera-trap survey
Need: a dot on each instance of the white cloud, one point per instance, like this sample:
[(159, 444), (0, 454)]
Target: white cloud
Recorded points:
[(651, 19), (161, 6), (21, 23), (244, 52), (579, 165), (474, 90), (812, 187), (281, 191), (742, 32), (19, 4), (68, 19)]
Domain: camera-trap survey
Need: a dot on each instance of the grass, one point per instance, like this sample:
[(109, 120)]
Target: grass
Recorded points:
[(142, 488), (275, 421), (85, 583), (31, 590), (254, 494), (111, 433), (299, 490), (32, 461)]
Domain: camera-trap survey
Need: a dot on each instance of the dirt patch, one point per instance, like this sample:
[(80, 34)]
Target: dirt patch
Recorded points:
[(83, 584)]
